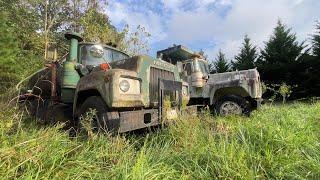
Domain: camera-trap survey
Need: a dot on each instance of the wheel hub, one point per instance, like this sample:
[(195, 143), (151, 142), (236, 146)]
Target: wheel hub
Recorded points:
[(230, 108)]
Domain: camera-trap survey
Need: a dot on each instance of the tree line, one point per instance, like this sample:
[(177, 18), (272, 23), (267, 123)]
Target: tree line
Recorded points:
[(283, 60), (30, 29)]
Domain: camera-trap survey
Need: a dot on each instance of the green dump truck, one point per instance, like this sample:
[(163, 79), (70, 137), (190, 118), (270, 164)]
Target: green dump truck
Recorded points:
[(127, 93), (237, 92)]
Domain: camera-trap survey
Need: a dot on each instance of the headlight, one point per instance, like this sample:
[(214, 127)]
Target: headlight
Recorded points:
[(124, 85)]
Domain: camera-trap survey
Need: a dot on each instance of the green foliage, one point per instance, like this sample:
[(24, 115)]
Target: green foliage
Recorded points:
[(282, 47), (220, 64), (277, 142), (316, 41), (285, 91), (136, 42), (31, 27), (96, 27), (8, 54), (247, 56), (277, 90), (280, 54), (23, 18)]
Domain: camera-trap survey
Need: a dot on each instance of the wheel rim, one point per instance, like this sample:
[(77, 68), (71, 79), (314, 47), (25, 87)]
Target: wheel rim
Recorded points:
[(230, 108)]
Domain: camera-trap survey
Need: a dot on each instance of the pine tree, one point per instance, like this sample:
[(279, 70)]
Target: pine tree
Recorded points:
[(221, 65), (282, 47), (247, 56), (316, 41), (280, 55)]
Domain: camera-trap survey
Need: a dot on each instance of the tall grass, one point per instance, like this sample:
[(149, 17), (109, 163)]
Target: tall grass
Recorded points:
[(275, 142)]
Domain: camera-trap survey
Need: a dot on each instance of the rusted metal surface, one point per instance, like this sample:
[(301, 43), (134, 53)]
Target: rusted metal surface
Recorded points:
[(132, 65), (54, 96), (166, 87), (132, 120), (149, 79), (249, 80), (155, 76), (204, 85)]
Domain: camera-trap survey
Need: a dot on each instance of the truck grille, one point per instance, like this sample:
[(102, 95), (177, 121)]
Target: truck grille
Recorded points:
[(155, 74)]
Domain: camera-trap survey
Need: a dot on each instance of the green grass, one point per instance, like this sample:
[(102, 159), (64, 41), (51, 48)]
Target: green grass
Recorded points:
[(275, 142)]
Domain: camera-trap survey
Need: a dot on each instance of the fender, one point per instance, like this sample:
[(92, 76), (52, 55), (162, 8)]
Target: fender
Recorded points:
[(221, 89)]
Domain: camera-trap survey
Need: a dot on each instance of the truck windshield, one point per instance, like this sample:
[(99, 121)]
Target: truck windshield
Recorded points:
[(97, 54), (201, 66)]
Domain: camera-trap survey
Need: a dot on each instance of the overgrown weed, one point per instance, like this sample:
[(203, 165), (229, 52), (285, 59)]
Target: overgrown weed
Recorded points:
[(275, 142)]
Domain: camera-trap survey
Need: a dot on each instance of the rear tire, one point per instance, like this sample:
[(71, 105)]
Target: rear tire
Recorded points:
[(100, 118), (232, 105)]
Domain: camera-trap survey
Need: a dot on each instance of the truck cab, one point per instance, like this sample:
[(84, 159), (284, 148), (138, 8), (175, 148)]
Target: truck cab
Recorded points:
[(237, 92), (128, 93), (195, 71)]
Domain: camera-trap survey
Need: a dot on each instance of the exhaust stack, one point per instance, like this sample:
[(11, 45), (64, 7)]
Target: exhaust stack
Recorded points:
[(70, 75)]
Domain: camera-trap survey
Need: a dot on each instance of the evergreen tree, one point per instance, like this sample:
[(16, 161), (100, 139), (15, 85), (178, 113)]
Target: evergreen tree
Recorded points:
[(8, 53), (280, 55), (316, 41), (247, 56), (221, 65)]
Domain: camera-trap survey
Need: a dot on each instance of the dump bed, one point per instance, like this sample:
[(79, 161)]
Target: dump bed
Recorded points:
[(177, 53)]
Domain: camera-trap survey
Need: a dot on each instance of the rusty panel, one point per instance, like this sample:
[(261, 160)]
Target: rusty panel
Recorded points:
[(155, 74), (132, 120), (131, 64)]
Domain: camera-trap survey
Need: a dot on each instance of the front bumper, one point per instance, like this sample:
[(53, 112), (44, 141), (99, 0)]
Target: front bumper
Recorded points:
[(132, 120)]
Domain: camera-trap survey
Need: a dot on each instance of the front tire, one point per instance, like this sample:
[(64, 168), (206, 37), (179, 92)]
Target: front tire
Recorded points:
[(232, 105), (99, 118)]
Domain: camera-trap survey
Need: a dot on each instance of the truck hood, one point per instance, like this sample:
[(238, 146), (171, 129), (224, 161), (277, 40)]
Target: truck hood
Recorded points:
[(251, 74), (248, 80)]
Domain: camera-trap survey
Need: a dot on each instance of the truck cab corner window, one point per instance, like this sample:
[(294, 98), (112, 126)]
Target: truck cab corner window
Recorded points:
[(187, 68)]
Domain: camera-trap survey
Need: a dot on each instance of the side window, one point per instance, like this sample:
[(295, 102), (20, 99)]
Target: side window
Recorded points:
[(83, 54), (107, 55), (117, 56), (188, 68)]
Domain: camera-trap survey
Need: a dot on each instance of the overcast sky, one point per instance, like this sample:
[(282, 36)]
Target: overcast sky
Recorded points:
[(213, 24)]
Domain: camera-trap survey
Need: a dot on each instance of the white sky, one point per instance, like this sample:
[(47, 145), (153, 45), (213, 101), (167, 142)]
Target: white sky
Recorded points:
[(214, 24)]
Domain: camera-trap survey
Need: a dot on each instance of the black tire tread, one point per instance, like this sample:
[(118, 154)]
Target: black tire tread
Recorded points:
[(95, 102), (235, 98)]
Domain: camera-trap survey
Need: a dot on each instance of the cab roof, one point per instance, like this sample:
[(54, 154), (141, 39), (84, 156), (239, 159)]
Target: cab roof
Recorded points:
[(177, 53)]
